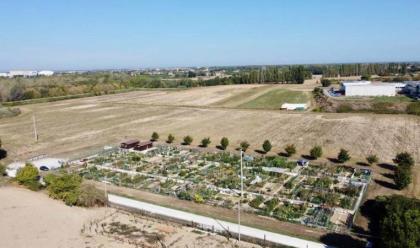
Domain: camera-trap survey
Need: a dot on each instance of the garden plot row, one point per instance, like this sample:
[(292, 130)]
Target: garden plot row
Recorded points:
[(273, 186)]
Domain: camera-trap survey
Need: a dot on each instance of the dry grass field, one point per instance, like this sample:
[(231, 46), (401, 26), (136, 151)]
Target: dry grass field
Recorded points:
[(74, 127)]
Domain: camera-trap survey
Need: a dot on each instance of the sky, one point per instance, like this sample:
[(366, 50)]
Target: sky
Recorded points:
[(112, 34)]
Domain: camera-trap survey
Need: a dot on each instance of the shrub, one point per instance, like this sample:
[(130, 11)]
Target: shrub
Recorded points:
[(205, 142), (170, 139), (266, 146), (325, 82), (316, 152), (372, 159), (188, 140), (344, 108), (29, 177), (256, 202), (90, 196), (404, 159), (184, 195), (402, 177), (343, 156), (244, 145), (65, 187), (155, 136), (198, 198), (2, 169), (290, 149), (224, 142), (413, 108)]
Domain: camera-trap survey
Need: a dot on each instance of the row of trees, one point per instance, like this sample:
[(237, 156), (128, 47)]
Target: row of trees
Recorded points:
[(381, 69)]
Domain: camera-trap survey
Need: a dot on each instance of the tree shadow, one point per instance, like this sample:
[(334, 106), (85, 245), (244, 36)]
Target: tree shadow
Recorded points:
[(385, 184), (3, 153), (283, 154), (260, 151), (307, 157), (388, 175), (342, 240), (362, 164), (387, 166), (220, 148), (334, 160)]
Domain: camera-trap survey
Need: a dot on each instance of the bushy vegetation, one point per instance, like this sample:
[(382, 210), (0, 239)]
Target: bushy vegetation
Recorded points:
[(155, 136), (244, 145), (316, 152), (413, 108), (224, 142), (343, 156), (290, 149), (402, 176), (266, 146), (70, 189), (170, 139), (205, 142), (398, 221), (372, 159), (188, 140), (2, 169), (29, 177)]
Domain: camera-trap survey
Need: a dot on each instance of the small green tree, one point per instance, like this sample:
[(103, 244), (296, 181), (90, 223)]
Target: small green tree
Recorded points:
[(28, 176), (372, 159), (64, 187), (316, 152), (170, 139), (266, 146), (325, 82), (402, 177), (343, 156), (224, 142), (205, 142), (290, 149), (155, 136), (404, 159), (244, 145), (188, 140)]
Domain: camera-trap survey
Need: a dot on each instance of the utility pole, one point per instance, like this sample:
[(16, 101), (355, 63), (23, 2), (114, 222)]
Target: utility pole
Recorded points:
[(35, 131), (240, 200)]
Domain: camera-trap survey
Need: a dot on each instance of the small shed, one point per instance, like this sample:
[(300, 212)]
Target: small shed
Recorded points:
[(143, 146), (129, 144), (294, 106)]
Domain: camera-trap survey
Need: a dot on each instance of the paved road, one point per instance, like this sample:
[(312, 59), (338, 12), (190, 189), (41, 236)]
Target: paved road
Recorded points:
[(218, 225)]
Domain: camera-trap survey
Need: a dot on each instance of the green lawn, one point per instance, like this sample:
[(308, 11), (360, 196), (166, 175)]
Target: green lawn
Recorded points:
[(275, 98)]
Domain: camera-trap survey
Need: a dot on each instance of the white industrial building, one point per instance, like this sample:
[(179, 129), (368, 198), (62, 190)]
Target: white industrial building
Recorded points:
[(367, 88), (45, 73), (23, 73)]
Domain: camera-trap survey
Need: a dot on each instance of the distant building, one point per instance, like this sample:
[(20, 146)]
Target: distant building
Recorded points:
[(45, 73), (23, 73), (412, 88), (4, 74), (367, 88)]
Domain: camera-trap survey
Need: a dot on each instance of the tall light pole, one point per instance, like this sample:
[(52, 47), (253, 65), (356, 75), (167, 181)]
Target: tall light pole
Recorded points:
[(240, 199)]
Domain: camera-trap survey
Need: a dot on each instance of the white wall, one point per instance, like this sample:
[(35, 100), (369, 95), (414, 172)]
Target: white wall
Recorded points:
[(370, 90)]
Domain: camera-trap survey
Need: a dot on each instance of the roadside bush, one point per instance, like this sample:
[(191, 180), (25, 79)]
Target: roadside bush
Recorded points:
[(65, 187), (343, 156), (325, 82), (184, 195), (90, 196), (344, 108), (205, 142), (29, 177), (224, 142), (188, 140), (170, 139), (155, 136), (198, 198), (244, 145), (372, 159), (256, 202), (413, 108), (316, 152), (266, 146), (290, 149)]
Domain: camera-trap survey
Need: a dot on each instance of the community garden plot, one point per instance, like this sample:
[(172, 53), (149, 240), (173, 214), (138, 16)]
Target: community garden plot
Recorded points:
[(318, 195)]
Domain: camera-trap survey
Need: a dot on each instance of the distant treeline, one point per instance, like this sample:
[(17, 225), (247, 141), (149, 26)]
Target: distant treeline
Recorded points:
[(345, 70)]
